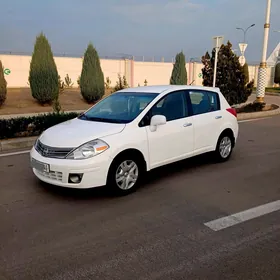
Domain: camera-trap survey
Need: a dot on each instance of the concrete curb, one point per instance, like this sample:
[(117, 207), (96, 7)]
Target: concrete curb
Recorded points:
[(17, 143), (272, 94), (258, 115), (28, 142)]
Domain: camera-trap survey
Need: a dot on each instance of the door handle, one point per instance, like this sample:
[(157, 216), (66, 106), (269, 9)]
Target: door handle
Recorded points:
[(218, 117), (187, 124)]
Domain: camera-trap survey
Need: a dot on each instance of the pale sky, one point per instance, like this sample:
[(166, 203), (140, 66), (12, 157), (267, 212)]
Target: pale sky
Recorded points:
[(136, 27)]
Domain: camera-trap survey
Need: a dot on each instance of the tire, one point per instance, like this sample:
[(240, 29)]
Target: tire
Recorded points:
[(224, 147), (125, 174)]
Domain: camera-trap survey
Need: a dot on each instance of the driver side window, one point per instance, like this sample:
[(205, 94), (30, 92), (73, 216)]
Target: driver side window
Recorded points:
[(172, 106)]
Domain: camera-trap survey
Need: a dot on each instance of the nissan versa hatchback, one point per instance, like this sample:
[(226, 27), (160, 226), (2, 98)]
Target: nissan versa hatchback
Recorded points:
[(134, 131)]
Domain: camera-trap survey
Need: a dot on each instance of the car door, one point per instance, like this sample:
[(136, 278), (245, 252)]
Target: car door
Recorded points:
[(174, 140), (207, 119)]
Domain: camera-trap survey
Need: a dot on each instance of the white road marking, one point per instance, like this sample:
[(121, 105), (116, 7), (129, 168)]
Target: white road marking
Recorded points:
[(254, 120), (243, 216), (14, 153)]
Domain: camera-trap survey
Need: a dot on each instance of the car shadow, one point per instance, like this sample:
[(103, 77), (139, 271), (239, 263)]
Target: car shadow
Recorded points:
[(74, 194), (173, 169)]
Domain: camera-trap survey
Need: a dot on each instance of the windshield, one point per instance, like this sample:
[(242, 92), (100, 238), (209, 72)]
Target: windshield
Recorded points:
[(122, 107)]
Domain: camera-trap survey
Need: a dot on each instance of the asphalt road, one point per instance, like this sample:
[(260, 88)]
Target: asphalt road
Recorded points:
[(159, 232)]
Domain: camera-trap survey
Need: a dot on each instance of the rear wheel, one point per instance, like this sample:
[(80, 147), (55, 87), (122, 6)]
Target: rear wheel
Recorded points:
[(224, 147), (125, 174)]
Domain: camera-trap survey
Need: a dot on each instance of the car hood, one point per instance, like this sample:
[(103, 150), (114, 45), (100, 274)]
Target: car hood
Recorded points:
[(76, 132)]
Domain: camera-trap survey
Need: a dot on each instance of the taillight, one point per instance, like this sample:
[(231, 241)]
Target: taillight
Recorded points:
[(232, 111)]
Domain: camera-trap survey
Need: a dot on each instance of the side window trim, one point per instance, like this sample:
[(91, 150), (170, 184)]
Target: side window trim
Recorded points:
[(187, 107)]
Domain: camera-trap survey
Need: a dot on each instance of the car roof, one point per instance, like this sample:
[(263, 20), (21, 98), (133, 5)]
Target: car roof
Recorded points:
[(163, 88)]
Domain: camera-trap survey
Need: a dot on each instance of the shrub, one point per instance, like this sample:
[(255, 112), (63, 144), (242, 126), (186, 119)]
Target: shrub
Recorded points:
[(56, 103), (108, 83), (78, 80), (145, 83), (277, 73), (3, 85), (92, 77), (43, 75), (31, 126), (61, 85), (121, 83), (179, 72), (251, 107), (68, 81), (230, 77)]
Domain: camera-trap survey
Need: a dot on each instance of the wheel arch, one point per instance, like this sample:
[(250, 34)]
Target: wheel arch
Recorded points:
[(229, 132), (132, 152)]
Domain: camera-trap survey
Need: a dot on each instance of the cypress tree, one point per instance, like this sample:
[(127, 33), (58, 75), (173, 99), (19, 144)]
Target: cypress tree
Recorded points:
[(179, 72), (245, 69), (277, 73), (92, 78), (230, 76), (3, 85), (43, 75)]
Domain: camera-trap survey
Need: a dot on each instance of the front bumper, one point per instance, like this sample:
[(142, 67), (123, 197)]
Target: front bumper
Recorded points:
[(94, 170)]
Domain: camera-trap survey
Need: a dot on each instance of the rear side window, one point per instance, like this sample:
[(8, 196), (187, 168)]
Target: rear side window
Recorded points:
[(203, 102)]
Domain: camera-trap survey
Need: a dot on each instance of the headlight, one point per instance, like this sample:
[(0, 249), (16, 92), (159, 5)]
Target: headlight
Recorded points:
[(88, 150)]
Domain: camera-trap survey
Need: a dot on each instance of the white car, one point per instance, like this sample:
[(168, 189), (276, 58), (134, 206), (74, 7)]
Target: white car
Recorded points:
[(134, 131)]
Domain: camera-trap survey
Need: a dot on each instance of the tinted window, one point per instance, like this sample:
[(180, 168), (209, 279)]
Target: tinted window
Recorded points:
[(173, 106), (119, 107), (214, 101), (204, 102)]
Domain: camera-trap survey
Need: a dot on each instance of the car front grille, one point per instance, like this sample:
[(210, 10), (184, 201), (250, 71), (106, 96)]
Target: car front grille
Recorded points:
[(51, 152), (52, 175)]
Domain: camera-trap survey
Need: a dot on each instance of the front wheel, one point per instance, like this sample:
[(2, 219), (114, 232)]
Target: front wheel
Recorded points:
[(124, 175), (224, 148)]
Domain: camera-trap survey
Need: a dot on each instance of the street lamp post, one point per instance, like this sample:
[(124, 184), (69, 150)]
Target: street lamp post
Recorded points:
[(245, 31), (262, 68), (218, 40), (243, 45)]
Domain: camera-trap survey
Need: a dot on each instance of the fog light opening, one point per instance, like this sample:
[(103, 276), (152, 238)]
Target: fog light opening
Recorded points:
[(75, 178)]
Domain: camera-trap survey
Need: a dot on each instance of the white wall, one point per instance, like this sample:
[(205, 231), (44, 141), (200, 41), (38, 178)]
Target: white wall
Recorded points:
[(136, 72)]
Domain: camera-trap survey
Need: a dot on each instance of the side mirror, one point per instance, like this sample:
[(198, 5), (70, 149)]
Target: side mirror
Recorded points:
[(157, 120)]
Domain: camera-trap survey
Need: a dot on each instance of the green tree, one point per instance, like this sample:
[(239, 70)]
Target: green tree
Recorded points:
[(43, 75), (92, 78), (121, 83), (277, 73), (230, 76), (68, 81), (245, 69), (179, 72), (3, 85)]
